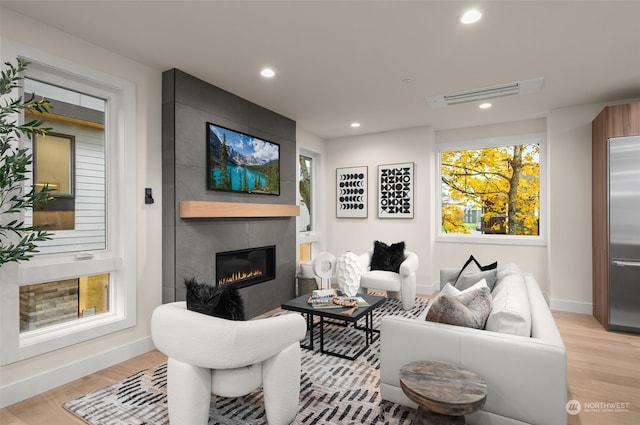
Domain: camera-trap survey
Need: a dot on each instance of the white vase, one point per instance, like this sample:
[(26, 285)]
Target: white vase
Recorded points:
[(348, 273)]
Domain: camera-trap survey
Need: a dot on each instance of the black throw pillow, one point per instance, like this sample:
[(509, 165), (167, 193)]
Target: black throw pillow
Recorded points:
[(222, 301), (387, 257)]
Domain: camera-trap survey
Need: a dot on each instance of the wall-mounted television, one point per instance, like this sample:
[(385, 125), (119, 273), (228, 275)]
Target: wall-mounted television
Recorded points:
[(240, 162)]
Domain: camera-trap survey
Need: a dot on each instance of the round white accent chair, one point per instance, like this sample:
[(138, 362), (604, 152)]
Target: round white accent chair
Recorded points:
[(400, 286), (209, 355)]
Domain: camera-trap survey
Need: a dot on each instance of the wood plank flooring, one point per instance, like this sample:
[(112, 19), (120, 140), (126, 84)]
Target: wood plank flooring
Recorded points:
[(603, 368)]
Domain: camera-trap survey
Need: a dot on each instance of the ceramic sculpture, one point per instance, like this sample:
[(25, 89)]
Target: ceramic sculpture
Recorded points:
[(348, 273)]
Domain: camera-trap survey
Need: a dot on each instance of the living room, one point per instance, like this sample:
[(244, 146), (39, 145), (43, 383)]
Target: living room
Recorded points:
[(561, 262)]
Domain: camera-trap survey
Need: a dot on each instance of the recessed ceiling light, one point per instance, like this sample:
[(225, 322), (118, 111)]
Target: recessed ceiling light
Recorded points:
[(268, 73), (355, 124), (485, 105), (471, 16)]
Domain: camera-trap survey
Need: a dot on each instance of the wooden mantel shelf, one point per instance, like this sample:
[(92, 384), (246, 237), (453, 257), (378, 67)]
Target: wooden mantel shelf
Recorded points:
[(204, 209)]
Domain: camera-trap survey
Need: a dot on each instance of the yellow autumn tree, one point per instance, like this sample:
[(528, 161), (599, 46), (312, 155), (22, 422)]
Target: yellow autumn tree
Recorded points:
[(504, 182)]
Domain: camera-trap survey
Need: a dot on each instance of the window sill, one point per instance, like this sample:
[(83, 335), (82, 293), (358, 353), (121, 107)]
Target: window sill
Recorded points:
[(493, 240)]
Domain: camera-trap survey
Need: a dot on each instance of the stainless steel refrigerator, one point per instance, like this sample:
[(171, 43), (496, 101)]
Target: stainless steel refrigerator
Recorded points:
[(624, 234)]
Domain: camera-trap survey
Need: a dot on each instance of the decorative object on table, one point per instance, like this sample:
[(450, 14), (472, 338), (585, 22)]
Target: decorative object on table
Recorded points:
[(348, 273), (395, 190), (324, 266), (351, 192), (330, 298)]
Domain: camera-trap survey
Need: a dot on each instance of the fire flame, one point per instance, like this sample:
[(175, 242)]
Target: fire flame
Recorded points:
[(239, 276)]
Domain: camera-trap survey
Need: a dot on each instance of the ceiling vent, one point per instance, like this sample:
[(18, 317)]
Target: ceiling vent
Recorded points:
[(533, 85)]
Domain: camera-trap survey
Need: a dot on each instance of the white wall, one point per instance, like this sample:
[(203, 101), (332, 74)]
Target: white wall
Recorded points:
[(26, 378), (357, 235), (570, 253), (418, 145), (562, 267)]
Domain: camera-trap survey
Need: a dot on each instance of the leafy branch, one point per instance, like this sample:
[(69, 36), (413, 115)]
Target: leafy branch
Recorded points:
[(18, 241)]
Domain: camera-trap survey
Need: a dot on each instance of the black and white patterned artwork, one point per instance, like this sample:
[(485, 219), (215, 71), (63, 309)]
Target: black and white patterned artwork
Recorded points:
[(351, 192), (395, 190)]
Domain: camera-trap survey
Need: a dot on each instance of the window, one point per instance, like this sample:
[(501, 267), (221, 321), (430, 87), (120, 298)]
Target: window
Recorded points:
[(491, 190), (307, 222), (88, 268), (53, 169), (306, 192)]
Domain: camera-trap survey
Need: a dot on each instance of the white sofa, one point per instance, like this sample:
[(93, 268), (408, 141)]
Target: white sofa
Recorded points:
[(526, 376)]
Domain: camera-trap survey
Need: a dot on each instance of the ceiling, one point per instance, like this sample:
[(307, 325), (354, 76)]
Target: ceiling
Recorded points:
[(373, 62)]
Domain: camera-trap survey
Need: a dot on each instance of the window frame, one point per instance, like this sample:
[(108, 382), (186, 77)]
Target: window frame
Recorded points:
[(72, 166), (314, 235), (119, 257), (495, 239)]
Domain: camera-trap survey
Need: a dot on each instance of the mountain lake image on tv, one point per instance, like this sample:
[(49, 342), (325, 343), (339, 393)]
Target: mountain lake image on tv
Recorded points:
[(239, 162)]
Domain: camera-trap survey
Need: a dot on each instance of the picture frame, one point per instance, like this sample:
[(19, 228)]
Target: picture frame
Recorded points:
[(352, 192), (395, 190)]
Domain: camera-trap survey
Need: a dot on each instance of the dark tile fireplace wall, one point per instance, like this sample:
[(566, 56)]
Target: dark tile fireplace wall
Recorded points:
[(189, 245)]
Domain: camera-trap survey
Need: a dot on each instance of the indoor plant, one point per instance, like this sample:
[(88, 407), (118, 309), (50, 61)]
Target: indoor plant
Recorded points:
[(17, 239)]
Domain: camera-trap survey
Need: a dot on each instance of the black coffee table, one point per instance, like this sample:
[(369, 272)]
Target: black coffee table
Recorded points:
[(335, 315)]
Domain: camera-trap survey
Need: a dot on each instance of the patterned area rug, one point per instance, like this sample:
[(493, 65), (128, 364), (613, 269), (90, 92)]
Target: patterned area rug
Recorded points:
[(333, 390)]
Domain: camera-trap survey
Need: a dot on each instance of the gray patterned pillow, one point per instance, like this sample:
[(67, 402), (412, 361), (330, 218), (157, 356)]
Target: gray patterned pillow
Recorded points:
[(469, 309), (472, 274)]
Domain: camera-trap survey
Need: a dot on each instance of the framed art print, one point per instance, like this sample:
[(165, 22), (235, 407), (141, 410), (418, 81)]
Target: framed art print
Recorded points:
[(395, 190), (351, 192)]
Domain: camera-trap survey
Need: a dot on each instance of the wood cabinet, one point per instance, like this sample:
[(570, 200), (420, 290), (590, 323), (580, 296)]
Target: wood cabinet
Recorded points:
[(613, 121)]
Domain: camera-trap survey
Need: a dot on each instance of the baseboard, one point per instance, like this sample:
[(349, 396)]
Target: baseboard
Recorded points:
[(22, 390), (571, 306), (427, 289)]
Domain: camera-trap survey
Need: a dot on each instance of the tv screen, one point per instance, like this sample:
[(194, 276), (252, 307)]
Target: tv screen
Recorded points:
[(239, 162)]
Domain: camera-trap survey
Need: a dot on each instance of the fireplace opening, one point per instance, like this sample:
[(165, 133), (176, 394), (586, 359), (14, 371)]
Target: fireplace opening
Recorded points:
[(246, 267)]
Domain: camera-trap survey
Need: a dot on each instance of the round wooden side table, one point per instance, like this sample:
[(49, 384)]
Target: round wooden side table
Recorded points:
[(444, 392)]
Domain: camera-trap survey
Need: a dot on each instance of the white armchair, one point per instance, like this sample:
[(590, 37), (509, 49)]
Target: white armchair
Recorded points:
[(209, 355), (400, 286)]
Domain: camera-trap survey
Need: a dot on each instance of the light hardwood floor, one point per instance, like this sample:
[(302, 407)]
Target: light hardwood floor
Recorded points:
[(603, 367)]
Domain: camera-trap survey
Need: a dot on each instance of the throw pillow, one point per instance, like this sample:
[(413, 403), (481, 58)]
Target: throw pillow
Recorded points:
[(472, 272), (469, 309), (511, 312), (222, 301), (387, 257), (451, 290)]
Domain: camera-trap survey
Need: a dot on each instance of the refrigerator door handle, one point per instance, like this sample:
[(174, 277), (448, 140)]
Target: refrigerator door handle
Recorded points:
[(626, 263)]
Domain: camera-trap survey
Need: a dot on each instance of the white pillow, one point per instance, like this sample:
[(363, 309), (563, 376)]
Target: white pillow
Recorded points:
[(511, 311), (449, 289), (306, 270)]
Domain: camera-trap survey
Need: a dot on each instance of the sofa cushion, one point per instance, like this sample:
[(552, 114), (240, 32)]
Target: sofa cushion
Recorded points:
[(222, 301), (387, 257), (472, 272), (468, 309), (511, 312)]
